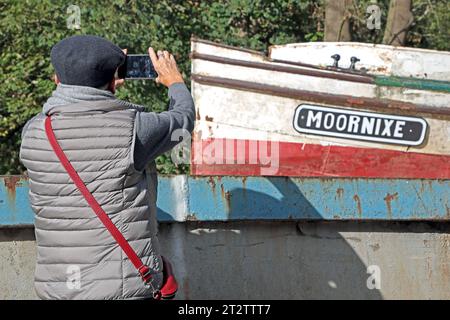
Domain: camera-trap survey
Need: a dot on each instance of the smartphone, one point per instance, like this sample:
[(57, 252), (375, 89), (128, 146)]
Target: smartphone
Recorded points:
[(137, 66)]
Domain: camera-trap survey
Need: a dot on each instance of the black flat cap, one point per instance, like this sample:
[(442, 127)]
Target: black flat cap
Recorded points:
[(86, 60)]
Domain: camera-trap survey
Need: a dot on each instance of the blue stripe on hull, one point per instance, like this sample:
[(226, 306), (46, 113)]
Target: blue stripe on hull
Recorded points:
[(271, 198)]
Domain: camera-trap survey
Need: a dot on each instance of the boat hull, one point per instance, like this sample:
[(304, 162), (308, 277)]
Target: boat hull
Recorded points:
[(245, 121)]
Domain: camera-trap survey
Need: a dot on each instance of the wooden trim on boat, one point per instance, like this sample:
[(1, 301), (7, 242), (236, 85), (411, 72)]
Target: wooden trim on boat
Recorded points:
[(321, 71), (333, 99), (226, 46), (287, 69), (265, 57)]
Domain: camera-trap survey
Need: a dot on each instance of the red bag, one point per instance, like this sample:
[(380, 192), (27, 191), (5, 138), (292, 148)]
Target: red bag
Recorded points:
[(169, 286)]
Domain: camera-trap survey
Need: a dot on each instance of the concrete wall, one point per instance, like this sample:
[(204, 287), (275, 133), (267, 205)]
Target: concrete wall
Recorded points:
[(281, 260)]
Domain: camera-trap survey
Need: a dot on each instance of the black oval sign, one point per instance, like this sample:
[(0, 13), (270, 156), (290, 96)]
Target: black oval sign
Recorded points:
[(359, 125)]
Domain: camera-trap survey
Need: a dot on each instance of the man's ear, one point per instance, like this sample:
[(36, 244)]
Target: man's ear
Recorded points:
[(112, 86), (55, 78)]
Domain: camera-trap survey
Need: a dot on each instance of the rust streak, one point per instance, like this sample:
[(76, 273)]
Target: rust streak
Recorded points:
[(207, 118), (340, 192), (11, 182), (244, 188), (358, 204), (191, 217), (226, 195), (388, 199), (244, 182), (210, 130), (212, 183), (222, 191)]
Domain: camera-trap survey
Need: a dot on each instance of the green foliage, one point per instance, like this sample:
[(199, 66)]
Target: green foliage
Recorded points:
[(28, 30), (431, 27)]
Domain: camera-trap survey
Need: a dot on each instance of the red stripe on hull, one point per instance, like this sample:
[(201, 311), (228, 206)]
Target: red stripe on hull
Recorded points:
[(312, 160)]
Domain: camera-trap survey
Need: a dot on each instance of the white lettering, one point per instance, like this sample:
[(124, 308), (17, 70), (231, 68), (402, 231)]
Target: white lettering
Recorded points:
[(314, 118), (341, 122), (387, 127), (353, 124), (367, 125), (378, 127), (328, 121), (398, 129), (206, 311)]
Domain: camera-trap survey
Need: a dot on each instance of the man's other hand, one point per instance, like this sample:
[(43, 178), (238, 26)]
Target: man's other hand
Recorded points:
[(120, 82), (166, 67)]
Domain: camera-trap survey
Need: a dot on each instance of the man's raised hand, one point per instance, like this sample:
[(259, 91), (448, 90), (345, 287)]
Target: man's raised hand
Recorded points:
[(166, 67)]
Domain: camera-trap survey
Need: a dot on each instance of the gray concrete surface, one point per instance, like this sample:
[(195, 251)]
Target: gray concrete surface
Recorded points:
[(282, 260)]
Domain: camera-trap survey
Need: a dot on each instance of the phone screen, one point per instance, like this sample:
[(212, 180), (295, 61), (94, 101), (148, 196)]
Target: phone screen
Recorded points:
[(138, 66)]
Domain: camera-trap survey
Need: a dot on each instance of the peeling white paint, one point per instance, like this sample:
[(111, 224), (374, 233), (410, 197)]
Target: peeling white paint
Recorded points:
[(377, 59)]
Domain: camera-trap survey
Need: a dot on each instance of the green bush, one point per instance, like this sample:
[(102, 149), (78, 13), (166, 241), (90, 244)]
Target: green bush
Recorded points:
[(28, 30)]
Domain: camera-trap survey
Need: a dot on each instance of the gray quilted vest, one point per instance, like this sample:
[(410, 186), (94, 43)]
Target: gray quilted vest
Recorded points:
[(77, 258)]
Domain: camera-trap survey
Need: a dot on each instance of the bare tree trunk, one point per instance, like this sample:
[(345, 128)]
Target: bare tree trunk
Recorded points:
[(399, 20), (337, 26)]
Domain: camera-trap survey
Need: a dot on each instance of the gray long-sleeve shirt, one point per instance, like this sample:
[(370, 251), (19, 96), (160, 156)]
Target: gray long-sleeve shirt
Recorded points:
[(153, 130)]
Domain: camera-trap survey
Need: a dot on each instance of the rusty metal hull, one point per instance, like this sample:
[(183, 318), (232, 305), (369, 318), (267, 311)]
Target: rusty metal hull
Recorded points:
[(214, 198)]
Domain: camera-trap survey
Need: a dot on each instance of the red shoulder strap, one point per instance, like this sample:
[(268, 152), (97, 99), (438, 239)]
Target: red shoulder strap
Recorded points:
[(144, 270)]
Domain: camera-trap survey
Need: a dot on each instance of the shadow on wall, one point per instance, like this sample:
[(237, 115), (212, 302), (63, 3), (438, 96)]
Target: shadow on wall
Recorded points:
[(266, 260)]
